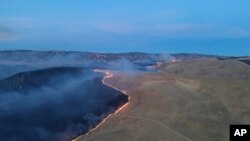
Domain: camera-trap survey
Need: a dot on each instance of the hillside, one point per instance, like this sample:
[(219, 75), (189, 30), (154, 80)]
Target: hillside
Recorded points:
[(208, 67), (72, 58), (186, 101), (54, 104)]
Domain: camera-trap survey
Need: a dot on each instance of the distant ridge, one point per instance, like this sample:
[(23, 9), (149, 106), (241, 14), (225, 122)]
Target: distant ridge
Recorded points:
[(78, 57)]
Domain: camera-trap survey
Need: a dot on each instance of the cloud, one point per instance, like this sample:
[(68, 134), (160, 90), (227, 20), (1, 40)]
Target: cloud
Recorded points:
[(118, 28), (176, 30), (32, 29), (6, 32), (18, 28)]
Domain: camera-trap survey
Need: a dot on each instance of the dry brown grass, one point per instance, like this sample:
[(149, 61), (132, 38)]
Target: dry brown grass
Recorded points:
[(177, 107)]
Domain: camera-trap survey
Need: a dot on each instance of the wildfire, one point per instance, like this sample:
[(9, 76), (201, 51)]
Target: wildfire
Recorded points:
[(173, 60), (107, 75)]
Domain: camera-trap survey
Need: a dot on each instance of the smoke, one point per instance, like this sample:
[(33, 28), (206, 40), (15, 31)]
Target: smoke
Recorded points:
[(60, 109), (11, 69), (64, 58), (52, 107), (166, 58), (124, 65)]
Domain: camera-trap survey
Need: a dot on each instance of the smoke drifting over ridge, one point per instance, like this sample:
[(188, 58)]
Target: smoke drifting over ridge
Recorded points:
[(75, 102), (67, 58), (57, 104), (12, 62)]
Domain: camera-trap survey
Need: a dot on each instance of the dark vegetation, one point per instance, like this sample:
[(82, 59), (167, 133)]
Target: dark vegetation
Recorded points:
[(55, 104)]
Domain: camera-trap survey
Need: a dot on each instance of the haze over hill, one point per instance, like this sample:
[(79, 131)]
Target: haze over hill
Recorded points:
[(15, 61), (55, 104), (12, 62), (182, 94)]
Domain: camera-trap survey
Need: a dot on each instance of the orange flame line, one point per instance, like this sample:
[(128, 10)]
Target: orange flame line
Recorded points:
[(107, 75)]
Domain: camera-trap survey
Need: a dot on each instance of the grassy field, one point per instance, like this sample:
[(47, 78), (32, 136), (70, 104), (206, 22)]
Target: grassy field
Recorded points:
[(187, 101)]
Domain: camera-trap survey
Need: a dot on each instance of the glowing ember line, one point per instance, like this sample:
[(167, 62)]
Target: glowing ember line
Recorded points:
[(107, 75)]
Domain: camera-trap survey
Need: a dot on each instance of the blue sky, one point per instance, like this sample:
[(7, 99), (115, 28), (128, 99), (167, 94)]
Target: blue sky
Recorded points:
[(212, 27)]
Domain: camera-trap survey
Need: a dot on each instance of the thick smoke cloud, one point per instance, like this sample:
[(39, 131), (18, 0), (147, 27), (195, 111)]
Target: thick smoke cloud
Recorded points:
[(66, 105), (57, 111)]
